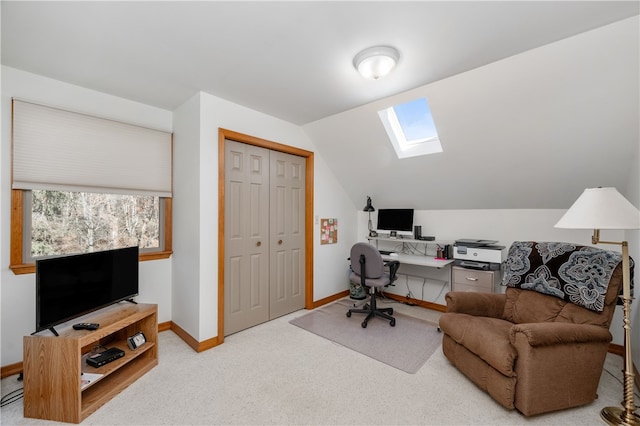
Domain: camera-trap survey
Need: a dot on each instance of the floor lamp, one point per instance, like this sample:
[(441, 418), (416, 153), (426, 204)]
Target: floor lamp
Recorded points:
[(605, 208)]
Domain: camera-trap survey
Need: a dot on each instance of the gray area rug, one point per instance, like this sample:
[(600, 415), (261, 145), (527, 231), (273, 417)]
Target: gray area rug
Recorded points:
[(407, 346)]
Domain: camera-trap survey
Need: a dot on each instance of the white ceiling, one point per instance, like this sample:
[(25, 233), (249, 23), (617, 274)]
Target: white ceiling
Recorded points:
[(291, 60), (533, 101)]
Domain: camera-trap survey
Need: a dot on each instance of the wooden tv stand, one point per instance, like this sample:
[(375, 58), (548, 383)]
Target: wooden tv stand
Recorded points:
[(53, 365)]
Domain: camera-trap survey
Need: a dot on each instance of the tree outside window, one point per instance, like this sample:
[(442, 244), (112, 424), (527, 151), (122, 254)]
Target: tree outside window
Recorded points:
[(79, 222)]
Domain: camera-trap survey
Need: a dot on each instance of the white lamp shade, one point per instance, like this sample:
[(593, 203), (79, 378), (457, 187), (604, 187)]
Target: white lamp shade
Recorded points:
[(376, 62), (601, 208)]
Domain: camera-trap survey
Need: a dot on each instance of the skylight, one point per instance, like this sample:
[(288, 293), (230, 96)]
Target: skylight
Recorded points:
[(411, 128)]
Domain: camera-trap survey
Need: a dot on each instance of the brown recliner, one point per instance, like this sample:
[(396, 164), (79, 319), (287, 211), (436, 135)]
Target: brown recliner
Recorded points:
[(530, 351)]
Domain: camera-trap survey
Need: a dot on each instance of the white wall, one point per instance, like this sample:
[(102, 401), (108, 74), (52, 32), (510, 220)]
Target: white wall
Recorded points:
[(331, 273), (186, 217), (18, 291), (196, 276)]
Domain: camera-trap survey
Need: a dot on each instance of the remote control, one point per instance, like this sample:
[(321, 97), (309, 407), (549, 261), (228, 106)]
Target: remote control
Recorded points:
[(86, 326)]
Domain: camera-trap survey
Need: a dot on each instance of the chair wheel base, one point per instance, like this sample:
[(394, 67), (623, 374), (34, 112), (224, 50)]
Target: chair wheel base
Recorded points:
[(372, 311)]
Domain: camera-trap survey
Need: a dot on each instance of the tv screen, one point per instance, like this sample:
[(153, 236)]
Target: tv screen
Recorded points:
[(397, 220), (71, 286)]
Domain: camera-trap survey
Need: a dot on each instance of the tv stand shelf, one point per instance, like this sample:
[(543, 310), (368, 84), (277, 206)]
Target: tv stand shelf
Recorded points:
[(53, 366)]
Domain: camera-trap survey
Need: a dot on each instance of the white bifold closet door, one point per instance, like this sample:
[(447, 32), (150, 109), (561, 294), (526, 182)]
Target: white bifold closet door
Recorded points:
[(264, 230)]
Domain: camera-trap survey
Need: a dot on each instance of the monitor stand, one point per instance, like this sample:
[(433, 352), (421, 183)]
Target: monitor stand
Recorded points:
[(53, 330)]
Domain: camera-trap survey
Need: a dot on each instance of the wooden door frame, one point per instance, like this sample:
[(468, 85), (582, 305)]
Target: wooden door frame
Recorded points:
[(224, 134)]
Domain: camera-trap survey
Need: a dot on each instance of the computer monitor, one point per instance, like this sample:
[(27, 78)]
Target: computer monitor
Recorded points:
[(395, 222)]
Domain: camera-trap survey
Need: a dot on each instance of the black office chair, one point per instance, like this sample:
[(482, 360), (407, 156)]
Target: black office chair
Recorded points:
[(368, 267)]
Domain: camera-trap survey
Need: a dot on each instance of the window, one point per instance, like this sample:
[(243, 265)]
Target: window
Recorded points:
[(63, 222), (37, 226), (411, 128), (82, 183)]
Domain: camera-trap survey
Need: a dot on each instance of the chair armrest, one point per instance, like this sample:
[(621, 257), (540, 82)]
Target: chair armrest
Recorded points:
[(558, 333), (393, 268), (477, 304)]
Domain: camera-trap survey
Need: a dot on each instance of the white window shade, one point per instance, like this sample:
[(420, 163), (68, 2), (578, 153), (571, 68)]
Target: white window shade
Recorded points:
[(60, 150)]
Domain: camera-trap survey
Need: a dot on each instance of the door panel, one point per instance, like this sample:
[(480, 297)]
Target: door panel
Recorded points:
[(287, 234), (246, 269)]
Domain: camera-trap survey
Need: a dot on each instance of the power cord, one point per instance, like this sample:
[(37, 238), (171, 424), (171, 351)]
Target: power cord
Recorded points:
[(14, 395), (409, 293)]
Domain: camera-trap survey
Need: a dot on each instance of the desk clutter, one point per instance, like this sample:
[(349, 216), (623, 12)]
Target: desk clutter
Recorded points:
[(406, 245)]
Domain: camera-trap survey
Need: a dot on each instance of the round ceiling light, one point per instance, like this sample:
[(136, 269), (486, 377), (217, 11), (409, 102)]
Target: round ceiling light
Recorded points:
[(376, 62)]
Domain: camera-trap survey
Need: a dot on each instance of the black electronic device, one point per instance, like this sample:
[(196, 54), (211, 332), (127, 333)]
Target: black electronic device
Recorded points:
[(395, 221), (102, 358), (68, 287), (86, 326), (417, 232), (448, 251)]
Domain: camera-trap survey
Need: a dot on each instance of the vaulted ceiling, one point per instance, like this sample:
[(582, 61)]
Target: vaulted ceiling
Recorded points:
[(533, 100)]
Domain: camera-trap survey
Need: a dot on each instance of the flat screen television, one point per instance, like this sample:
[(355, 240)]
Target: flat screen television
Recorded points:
[(395, 221), (71, 286)]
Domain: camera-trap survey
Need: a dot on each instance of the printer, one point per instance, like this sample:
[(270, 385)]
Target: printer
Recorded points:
[(478, 254)]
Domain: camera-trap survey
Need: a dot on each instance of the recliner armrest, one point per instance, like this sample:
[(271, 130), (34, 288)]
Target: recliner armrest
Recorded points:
[(555, 333), (477, 304)]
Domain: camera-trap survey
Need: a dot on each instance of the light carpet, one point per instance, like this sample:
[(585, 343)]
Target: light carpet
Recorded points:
[(279, 374), (407, 346)]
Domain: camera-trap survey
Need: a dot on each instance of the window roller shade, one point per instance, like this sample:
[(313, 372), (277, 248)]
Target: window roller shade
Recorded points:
[(61, 150)]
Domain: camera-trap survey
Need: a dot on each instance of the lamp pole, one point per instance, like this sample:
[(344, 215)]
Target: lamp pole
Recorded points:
[(627, 414)]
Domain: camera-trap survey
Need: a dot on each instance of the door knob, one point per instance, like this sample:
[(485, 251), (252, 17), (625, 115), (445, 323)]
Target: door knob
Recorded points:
[(259, 243), (279, 242)]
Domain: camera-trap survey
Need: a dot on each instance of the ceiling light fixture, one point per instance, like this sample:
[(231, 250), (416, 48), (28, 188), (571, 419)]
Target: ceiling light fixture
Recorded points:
[(376, 62)]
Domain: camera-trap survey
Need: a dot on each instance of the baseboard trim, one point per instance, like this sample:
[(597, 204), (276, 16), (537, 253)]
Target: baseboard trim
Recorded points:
[(10, 370), (192, 342), (421, 303), (616, 350), (333, 298), (164, 326)]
